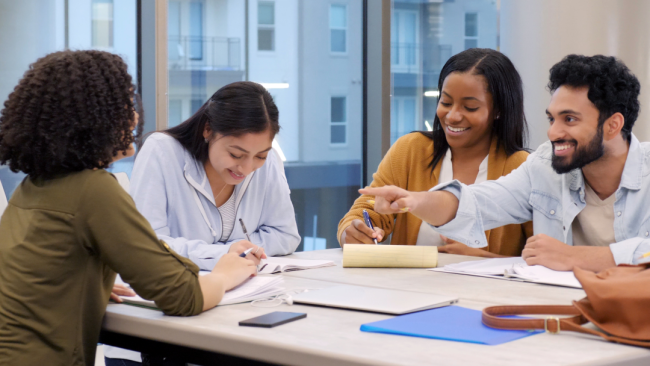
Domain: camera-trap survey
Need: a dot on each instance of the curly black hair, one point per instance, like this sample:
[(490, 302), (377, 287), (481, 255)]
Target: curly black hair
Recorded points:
[(72, 110), (612, 86)]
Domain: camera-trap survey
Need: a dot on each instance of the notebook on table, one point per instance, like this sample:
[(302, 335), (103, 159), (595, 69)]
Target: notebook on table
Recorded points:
[(513, 268), (276, 265), (375, 300), (254, 288), (451, 323)]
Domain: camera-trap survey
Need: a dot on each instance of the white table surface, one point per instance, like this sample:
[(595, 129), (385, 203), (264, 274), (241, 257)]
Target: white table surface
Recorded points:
[(332, 336)]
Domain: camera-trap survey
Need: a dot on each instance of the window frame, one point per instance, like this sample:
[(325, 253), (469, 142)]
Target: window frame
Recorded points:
[(110, 19), (478, 27), (266, 27), (345, 29), (344, 123)]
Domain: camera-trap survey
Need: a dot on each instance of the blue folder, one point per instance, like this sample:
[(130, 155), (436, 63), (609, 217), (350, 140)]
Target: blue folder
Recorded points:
[(452, 323)]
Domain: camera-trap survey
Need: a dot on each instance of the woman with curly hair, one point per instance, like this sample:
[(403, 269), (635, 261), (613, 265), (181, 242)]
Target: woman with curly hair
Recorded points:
[(70, 227)]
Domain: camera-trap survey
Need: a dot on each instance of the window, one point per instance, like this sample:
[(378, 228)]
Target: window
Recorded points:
[(102, 23), (196, 31), (174, 46), (338, 120), (424, 35), (319, 97), (266, 26), (404, 40), (175, 112), (471, 30), (338, 28), (34, 34)]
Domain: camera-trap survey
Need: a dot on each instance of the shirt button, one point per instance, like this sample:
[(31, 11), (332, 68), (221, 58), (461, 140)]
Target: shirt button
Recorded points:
[(618, 213), (563, 227), (552, 212), (476, 242), (647, 233)]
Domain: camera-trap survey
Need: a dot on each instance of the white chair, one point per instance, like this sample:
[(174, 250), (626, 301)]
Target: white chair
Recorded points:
[(3, 200)]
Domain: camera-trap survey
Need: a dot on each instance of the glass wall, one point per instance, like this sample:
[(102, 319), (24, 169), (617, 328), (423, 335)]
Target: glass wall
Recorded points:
[(424, 35), (30, 29), (312, 66)]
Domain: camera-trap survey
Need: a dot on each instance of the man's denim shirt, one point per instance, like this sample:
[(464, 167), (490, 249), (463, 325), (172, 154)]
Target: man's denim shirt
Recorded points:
[(534, 191)]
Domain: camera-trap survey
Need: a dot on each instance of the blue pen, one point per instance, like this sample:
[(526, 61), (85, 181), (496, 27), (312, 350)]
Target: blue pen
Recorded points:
[(366, 218), (245, 253)]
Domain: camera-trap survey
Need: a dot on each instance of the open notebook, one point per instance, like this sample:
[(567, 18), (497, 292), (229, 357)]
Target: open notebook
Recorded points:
[(275, 265), (514, 268), (254, 288)]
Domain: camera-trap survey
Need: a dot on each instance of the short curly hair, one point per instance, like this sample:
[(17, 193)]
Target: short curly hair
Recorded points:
[(72, 110), (612, 86)]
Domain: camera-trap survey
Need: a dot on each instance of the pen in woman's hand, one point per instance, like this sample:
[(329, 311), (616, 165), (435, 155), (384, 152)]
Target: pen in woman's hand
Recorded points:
[(244, 228), (246, 252)]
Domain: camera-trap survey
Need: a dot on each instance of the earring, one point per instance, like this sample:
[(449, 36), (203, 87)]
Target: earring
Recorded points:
[(206, 140)]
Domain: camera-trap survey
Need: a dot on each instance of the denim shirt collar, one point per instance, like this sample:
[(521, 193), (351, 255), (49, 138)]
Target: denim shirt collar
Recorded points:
[(633, 170)]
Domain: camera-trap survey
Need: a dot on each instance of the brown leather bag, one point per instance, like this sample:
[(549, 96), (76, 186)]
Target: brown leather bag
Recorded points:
[(617, 302)]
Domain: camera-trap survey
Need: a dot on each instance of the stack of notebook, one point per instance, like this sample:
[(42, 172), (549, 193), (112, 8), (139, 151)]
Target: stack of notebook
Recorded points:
[(252, 289)]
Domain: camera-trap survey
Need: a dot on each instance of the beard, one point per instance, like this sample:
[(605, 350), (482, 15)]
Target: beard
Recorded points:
[(594, 150)]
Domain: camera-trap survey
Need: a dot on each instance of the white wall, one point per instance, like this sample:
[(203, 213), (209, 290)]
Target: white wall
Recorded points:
[(536, 34)]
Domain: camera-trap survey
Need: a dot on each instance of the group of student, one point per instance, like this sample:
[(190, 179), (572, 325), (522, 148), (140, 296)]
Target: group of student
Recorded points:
[(70, 227)]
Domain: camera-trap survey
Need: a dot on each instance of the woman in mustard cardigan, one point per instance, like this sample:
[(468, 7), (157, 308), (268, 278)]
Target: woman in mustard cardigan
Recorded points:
[(478, 134)]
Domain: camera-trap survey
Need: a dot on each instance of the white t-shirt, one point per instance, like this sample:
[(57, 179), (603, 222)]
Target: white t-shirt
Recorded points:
[(427, 235)]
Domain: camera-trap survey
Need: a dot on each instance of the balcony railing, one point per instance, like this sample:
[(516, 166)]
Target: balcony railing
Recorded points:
[(204, 53)]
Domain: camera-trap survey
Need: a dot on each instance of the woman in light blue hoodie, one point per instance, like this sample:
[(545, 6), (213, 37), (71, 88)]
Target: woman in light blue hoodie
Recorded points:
[(195, 182)]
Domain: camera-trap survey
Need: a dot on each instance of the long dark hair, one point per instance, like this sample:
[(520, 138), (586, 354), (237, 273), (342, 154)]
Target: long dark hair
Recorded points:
[(505, 86), (234, 110)]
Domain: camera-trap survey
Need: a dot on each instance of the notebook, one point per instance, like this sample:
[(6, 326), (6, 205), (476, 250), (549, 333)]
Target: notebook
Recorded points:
[(259, 287), (513, 268), (389, 256), (373, 299), (452, 323), (275, 265)]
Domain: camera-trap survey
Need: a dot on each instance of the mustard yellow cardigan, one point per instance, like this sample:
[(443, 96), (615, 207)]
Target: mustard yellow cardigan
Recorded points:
[(406, 166)]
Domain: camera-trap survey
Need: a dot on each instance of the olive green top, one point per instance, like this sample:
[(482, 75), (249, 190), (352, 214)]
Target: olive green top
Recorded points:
[(61, 242)]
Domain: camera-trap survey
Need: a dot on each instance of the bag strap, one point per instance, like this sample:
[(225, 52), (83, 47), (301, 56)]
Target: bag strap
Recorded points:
[(551, 324)]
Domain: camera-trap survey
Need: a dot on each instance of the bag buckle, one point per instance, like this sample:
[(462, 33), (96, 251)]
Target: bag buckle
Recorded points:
[(546, 324)]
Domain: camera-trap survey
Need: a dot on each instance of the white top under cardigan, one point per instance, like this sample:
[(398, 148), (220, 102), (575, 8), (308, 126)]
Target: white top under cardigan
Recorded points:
[(428, 236)]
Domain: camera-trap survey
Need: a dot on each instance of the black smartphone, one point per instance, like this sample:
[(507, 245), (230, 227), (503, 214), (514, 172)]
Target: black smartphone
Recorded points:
[(273, 319)]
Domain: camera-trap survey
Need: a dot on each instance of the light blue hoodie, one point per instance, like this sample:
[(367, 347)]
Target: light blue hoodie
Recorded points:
[(171, 190)]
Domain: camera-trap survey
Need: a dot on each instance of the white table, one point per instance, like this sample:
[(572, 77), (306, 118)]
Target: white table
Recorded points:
[(332, 336)]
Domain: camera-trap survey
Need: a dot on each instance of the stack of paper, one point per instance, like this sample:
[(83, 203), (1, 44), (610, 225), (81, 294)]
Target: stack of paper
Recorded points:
[(252, 289), (275, 265), (389, 256), (514, 268)]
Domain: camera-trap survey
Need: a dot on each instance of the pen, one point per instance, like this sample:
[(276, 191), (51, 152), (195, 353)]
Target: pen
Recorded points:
[(244, 228), (403, 209), (366, 217), (245, 253), (646, 255)]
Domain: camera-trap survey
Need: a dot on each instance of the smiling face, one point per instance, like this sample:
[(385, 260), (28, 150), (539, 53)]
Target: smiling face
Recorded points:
[(465, 110), (235, 157), (574, 132)]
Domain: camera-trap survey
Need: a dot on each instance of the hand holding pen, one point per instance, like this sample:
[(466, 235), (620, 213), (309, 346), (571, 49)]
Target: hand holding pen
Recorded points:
[(245, 247)]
